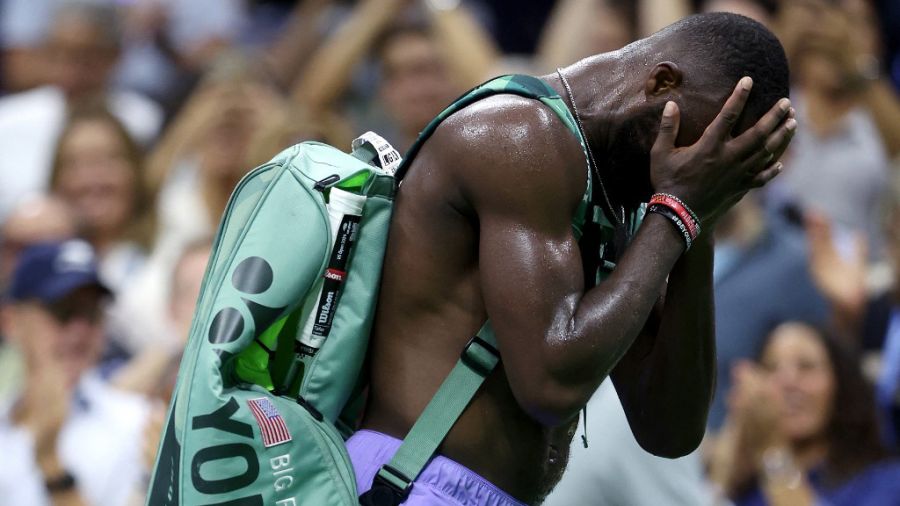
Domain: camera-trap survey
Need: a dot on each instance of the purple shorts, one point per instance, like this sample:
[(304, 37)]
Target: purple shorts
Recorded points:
[(443, 482)]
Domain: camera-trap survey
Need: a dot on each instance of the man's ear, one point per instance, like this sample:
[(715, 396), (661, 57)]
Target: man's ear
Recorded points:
[(663, 79)]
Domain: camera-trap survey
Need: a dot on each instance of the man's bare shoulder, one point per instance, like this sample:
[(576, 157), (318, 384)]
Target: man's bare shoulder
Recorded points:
[(507, 141)]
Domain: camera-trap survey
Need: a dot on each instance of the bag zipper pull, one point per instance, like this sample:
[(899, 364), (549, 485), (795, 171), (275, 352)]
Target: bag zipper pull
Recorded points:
[(325, 183)]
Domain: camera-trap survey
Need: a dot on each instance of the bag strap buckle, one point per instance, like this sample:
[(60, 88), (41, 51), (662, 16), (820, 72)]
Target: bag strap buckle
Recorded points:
[(389, 488), (480, 356)]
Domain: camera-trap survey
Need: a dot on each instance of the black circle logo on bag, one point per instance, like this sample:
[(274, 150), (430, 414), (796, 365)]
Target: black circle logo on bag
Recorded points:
[(252, 276)]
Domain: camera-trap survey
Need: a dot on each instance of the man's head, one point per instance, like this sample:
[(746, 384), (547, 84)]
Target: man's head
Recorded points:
[(54, 310), (696, 63), (82, 48), (712, 52)]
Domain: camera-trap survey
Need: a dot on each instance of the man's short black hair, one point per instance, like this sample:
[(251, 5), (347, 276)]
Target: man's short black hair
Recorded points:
[(726, 47)]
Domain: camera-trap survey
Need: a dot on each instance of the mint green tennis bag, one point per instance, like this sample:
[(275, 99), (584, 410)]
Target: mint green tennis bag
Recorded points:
[(239, 432), (260, 418)]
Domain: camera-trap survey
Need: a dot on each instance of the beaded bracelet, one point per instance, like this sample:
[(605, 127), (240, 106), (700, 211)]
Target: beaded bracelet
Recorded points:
[(674, 218)]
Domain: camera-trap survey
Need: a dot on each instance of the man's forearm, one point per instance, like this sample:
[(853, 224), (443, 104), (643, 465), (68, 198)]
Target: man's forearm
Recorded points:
[(609, 318), (683, 359), (665, 380)]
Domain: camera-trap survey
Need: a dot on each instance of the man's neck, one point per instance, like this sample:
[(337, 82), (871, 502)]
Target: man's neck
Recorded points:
[(599, 91), (597, 85)]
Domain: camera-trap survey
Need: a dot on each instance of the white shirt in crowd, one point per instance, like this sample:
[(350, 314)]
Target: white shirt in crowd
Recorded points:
[(100, 444), (615, 471), (30, 123), (140, 315)]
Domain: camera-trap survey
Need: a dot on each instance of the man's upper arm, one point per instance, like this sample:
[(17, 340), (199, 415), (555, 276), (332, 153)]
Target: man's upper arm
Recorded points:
[(523, 174)]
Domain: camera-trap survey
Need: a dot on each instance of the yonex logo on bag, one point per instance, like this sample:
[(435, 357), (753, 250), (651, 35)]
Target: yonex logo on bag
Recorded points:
[(252, 276), (221, 420)]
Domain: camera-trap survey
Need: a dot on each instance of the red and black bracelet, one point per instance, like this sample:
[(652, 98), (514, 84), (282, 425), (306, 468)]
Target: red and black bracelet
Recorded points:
[(678, 213)]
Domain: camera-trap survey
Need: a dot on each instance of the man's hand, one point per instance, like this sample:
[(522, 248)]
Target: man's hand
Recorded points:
[(716, 171)]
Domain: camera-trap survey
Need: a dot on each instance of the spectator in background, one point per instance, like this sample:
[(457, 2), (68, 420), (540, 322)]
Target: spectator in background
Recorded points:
[(291, 125), (82, 49), (37, 219), (838, 164), (68, 438), (97, 170), (580, 28), (168, 44), (802, 428), (761, 278), (193, 171), (301, 34), (424, 64), (869, 320), (154, 371), (204, 152), (416, 81)]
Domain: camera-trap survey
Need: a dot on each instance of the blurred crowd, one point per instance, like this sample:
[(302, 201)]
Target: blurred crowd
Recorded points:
[(125, 125)]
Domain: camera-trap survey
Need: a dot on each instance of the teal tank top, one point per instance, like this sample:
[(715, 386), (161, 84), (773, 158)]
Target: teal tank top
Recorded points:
[(590, 224)]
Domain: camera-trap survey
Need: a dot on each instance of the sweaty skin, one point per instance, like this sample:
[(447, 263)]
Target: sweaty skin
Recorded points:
[(482, 226)]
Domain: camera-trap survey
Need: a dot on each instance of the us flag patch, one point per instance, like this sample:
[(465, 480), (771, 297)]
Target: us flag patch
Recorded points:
[(271, 425)]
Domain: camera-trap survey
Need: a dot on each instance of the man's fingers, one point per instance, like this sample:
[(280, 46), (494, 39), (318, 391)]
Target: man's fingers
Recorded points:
[(668, 127), (778, 142), (721, 126), (757, 135), (766, 175), (774, 146)]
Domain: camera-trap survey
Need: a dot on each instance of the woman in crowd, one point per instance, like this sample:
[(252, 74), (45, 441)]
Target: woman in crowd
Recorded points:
[(802, 428), (839, 162), (234, 121), (97, 172)]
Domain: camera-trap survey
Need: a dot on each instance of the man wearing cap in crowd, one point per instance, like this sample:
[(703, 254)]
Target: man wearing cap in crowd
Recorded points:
[(68, 438)]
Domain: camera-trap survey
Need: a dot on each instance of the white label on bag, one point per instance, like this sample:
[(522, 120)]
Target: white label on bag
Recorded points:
[(388, 156)]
